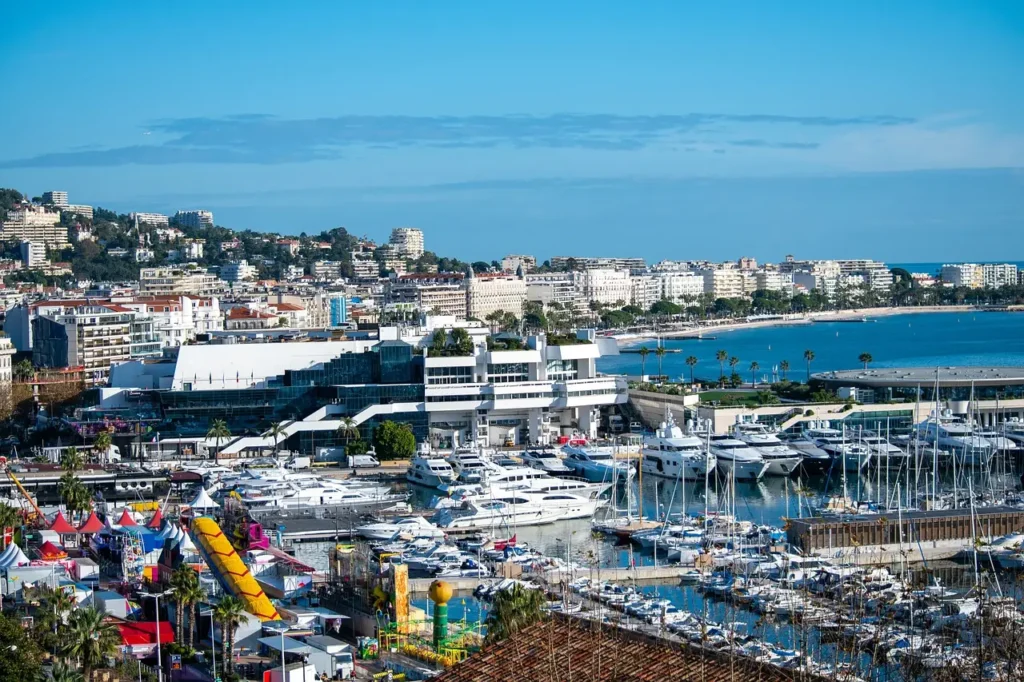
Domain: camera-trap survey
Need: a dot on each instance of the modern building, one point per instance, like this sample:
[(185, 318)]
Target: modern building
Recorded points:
[(440, 294), (338, 309), (238, 271), (408, 242), (327, 270), (154, 219), (553, 287), (93, 337), (487, 293), (175, 281), (392, 260), (773, 280), (605, 286), (909, 384), (970, 275), (33, 254), (194, 219), (679, 287), (365, 267), (996, 275), (728, 283), (645, 290), (585, 263), (80, 210), (513, 262), (40, 224), (56, 198)]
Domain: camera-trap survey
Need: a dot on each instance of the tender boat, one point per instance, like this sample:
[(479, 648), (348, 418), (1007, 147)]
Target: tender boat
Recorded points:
[(411, 526)]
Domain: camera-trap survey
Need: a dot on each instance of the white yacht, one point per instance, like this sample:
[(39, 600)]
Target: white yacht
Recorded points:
[(737, 458), (814, 459), (469, 467), (672, 454), (956, 435), (998, 441), (596, 464), (545, 460), (501, 509), (534, 480), (409, 526), (1013, 429), (782, 460), (295, 496), (884, 453), (854, 457), (430, 471)]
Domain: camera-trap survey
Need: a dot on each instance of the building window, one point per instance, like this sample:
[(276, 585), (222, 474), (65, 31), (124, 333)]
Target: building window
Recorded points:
[(506, 373), (562, 370), (438, 376)]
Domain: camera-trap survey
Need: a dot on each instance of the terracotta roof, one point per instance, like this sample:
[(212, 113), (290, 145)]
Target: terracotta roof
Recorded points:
[(248, 314), (288, 306), (564, 648)]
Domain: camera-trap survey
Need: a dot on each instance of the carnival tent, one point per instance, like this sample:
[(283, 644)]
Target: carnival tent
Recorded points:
[(126, 520), (51, 552), (13, 557), (91, 525), (203, 500), (154, 523), (61, 526)]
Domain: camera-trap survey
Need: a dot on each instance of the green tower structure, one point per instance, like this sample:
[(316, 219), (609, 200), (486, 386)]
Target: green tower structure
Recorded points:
[(440, 593)]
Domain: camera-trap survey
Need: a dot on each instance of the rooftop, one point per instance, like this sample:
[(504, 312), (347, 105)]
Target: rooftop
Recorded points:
[(924, 376)]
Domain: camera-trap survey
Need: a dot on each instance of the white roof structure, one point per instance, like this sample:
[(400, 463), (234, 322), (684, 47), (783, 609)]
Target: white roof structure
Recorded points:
[(12, 557), (236, 366), (203, 501)]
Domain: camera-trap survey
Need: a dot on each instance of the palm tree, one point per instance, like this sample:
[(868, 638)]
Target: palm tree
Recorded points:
[(721, 356), (733, 361), (89, 639), (659, 352), (784, 366), (191, 597), (73, 493), (71, 460), (182, 581), (691, 362), (644, 352), (275, 432), (101, 446), (808, 356), (753, 373), (9, 518), (62, 672), (348, 430), (230, 613), (866, 359), (219, 431), (513, 610)]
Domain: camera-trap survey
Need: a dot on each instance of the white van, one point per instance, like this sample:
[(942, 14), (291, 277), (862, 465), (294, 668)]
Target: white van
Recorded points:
[(299, 463), (362, 461)]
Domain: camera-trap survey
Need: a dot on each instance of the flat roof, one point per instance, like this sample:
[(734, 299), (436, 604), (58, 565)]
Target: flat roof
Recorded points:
[(924, 376), (893, 516)]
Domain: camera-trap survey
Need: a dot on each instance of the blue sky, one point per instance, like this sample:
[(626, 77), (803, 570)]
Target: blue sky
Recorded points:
[(659, 129)]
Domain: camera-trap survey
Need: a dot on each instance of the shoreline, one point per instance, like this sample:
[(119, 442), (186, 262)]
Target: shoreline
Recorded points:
[(790, 320)]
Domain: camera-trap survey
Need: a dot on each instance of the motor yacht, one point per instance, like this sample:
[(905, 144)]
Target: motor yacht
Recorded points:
[(410, 526), (814, 459), (469, 467), (534, 480), (512, 509), (998, 441), (782, 459), (545, 460), (956, 435), (596, 464), (672, 454), (736, 458), (430, 471), (884, 453), (853, 456)]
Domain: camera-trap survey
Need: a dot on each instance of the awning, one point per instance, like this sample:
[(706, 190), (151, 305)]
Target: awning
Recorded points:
[(60, 525), (49, 552), (291, 646), (144, 632)]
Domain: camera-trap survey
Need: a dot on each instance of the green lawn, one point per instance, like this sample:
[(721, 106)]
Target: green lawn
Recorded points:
[(710, 396)]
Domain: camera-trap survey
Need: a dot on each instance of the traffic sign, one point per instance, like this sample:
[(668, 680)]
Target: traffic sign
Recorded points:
[(175, 661)]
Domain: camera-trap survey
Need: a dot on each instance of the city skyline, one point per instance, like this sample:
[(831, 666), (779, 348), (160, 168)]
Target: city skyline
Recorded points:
[(785, 130)]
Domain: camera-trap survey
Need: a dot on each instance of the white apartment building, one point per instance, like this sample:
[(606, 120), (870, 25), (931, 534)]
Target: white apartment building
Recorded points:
[(176, 281), (604, 285), (56, 197), (875, 273), (39, 224), (995, 275), (441, 294), (585, 262), (488, 293), (238, 271), (408, 242), (293, 272), (679, 287), (192, 249), (33, 254), (773, 280), (194, 218), (364, 266), (177, 319), (73, 334), (328, 270), (645, 290), (154, 219), (512, 263), (143, 255), (81, 210), (732, 283), (968, 275), (392, 259), (6, 375), (553, 287)]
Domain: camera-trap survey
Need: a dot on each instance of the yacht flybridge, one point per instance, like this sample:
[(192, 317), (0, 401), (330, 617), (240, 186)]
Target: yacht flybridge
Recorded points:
[(670, 453), (782, 459), (738, 459), (956, 435)]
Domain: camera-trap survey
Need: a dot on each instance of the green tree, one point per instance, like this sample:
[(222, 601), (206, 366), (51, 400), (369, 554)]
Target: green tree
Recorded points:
[(753, 373), (644, 352), (659, 353), (71, 461), (90, 639), (691, 362), (9, 518), (182, 581), (392, 440), (461, 341), (275, 431), (62, 672), (809, 357), (866, 359), (73, 493), (784, 367), (218, 431), (357, 447), (21, 658), (229, 612), (23, 369), (733, 361), (347, 430), (101, 446), (438, 342), (721, 356), (513, 610)]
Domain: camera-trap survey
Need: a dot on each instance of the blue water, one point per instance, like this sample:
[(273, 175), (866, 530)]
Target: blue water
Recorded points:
[(934, 268), (910, 340)]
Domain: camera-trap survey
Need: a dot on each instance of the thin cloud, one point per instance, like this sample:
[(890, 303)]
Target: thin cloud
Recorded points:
[(262, 139)]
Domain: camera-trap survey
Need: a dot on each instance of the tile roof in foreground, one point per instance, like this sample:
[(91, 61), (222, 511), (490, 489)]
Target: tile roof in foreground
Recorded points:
[(563, 648)]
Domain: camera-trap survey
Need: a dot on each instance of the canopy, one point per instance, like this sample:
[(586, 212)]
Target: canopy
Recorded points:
[(126, 520), (91, 525), (154, 523), (50, 551), (60, 525), (203, 501), (13, 557), (140, 633)]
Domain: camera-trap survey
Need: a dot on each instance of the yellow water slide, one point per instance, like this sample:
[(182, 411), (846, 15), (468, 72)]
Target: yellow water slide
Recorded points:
[(231, 571)]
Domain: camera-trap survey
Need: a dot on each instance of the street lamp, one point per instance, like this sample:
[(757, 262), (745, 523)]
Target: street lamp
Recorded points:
[(213, 640), (156, 601)]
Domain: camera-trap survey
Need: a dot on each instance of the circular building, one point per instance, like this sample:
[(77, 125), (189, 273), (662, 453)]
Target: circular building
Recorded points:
[(894, 384)]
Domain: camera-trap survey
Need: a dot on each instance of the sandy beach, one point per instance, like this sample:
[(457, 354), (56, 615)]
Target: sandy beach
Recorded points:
[(796, 319)]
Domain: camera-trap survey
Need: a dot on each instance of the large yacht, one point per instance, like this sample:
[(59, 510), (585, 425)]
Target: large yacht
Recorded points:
[(409, 526), (596, 464), (534, 480), (501, 509), (545, 460), (884, 453), (782, 460), (430, 471), (469, 466), (815, 460), (672, 454), (956, 435), (737, 458)]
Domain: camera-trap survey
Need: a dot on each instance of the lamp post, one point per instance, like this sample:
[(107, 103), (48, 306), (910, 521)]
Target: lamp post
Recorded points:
[(213, 641), (156, 602)]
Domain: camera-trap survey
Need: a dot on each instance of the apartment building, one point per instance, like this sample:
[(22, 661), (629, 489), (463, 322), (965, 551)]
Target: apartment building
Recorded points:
[(153, 219), (80, 210), (85, 335), (553, 287), (585, 262), (33, 254), (56, 197), (364, 266), (407, 241), (968, 275), (392, 260), (194, 219), (338, 303), (6, 375), (747, 263), (513, 262), (243, 318), (292, 246), (678, 286), (876, 274), (645, 290), (39, 224), (995, 275), (443, 293), (604, 285), (487, 293), (731, 283), (327, 270), (773, 280), (238, 271), (176, 281)]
